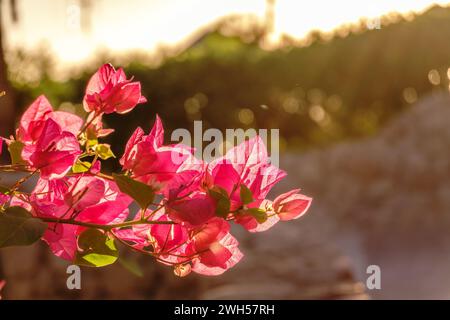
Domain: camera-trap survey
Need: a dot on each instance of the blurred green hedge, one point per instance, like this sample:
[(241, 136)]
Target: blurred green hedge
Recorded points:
[(333, 89)]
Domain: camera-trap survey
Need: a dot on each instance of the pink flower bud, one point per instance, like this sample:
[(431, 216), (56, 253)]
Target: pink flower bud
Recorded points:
[(182, 270), (291, 205)]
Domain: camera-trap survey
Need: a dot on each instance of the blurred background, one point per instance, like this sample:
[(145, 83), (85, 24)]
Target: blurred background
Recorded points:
[(358, 89)]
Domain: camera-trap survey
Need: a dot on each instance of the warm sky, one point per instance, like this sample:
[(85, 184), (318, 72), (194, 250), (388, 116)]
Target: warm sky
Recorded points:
[(144, 24)]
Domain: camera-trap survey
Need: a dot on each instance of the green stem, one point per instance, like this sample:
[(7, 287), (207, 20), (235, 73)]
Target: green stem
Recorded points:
[(87, 124), (102, 226), (21, 181), (14, 168), (104, 176)]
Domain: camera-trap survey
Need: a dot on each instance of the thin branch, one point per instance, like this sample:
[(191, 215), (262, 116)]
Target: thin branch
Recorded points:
[(107, 227), (87, 124)]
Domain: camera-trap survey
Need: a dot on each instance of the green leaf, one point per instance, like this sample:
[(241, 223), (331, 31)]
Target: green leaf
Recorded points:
[(81, 166), (104, 151), (15, 150), (259, 214), (96, 249), (19, 228), (4, 190), (91, 143), (246, 195), (222, 201), (131, 266), (142, 193), (91, 138)]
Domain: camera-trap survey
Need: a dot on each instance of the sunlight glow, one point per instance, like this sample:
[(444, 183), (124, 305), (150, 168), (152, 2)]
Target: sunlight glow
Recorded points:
[(149, 25)]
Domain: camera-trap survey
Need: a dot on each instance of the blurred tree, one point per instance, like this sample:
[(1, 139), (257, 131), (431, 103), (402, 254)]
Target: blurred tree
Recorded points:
[(7, 105), (270, 15), (7, 102), (326, 89), (86, 9)]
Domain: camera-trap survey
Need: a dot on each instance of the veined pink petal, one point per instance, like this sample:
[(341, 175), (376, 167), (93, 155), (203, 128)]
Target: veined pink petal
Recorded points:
[(137, 237), (16, 202), (49, 198), (68, 121), (125, 97), (167, 237), (171, 169), (119, 76), (109, 91), (33, 119), (85, 191), (183, 183), (93, 102), (250, 153), (100, 79), (53, 164), (104, 213), (80, 197), (225, 176), (96, 167), (263, 180), (245, 164), (156, 135), (54, 153), (50, 133), (221, 257), (62, 240), (195, 209), (211, 231), (217, 255), (161, 165), (111, 208), (129, 155)]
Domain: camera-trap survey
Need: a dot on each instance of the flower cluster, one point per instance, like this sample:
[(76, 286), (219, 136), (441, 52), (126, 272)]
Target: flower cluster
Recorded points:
[(165, 203)]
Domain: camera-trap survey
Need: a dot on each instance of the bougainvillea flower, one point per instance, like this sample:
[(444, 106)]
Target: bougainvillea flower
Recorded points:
[(3, 199), (49, 138), (166, 238), (168, 241), (62, 240), (33, 121), (152, 162), (95, 128), (85, 211), (54, 152), (80, 196), (109, 91), (291, 205), (252, 225), (195, 209), (136, 237), (215, 249), (246, 164), (83, 198)]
